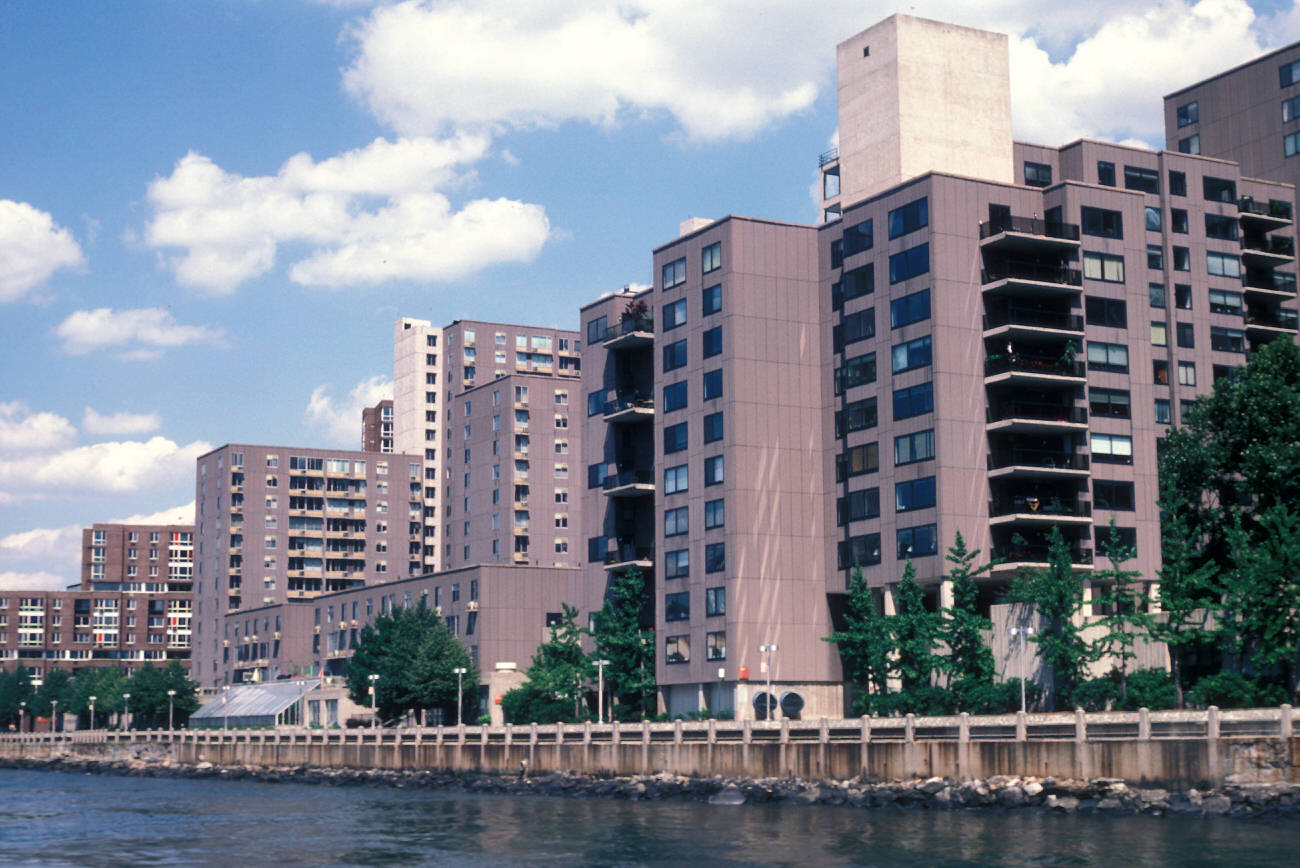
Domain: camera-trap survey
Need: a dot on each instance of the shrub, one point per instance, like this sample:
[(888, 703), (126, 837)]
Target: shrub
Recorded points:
[(1233, 690), (1150, 688)]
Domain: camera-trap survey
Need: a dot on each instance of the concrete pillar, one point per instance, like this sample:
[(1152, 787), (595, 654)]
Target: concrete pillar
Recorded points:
[(945, 594), (1021, 728), (701, 704), (864, 742), (1081, 744), (963, 747), (1285, 724), (1144, 744), (1212, 745), (1086, 610), (887, 594)]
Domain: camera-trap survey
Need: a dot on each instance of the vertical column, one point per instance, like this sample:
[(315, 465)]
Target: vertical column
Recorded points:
[(1144, 744), (864, 743), (1081, 744), (963, 747), (1212, 745)]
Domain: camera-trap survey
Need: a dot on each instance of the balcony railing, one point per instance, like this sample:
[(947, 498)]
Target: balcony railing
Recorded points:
[(628, 552), (1039, 506), (1037, 554), (1044, 458), (1273, 208), (629, 402), (1278, 246), (1025, 364), (1029, 316), (828, 157), (628, 477), (1034, 272), (628, 325), (1029, 226), (1037, 410), (1271, 281), (1283, 319)]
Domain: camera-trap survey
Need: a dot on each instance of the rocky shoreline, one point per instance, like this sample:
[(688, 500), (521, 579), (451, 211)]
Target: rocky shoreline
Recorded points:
[(1108, 796)]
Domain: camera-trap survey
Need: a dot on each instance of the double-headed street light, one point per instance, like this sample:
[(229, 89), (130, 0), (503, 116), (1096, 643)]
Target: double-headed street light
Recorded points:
[(769, 650), (600, 690), (460, 691), (1024, 633), (374, 699), (171, 704), (126, 710)]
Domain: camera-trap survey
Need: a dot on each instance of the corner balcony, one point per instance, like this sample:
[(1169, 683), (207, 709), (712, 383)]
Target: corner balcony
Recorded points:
[(627, 409), (1029, 322), (1036, 371), (1030, 279), (1272, 322), (629, 483), (1036, 464), (628, 556), (1032, 510), (1266, 215), (1035, 417), (1269, 285), (1012, 558), (630, 333), (1028, 235), (1267, 252)]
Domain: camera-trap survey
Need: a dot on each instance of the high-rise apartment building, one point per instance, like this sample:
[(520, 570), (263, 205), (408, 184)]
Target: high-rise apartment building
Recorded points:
[(377, 427)]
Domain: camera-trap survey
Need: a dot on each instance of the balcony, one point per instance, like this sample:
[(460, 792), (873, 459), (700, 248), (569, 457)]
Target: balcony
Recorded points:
[(1013, 557), (1034, 416), (1036, 463), (1267, 252), (1266, 215), (1281, 320), (1031, 279), (630, 408), (629, 556), (1028, 234), (629, 483), (1021, 368), (630, 333), (1032, 510), (1031, 322), (1271, 284)]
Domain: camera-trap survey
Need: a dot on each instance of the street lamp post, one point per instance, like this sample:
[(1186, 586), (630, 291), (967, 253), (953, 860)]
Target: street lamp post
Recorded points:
[(22, 711), (769, 650), (374, 699), (225, 714), (126, 711), (600, 690), (460, 675), (92, 712), (54, 715), (171, 704), (1022, 632)]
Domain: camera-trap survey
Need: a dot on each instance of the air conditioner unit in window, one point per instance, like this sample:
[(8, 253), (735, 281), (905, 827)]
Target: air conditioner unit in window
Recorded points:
[(437, 610), (472, 605)]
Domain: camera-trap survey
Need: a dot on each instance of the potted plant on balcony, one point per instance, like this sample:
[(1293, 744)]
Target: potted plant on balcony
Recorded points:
[(636, 309)]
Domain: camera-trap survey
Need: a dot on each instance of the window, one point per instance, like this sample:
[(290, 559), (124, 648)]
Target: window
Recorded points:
[(715, 514), (1190, 145), (857, 371), (857, 506), (677, 564), (674, 355), (1155, 257), (712, 384), (914, 494), (712, 427), (1107, 357), (715, 557), (913, 401), (1112, 448), (855, 284), (1105, 174), (1159, 334), (715, 602), (1221, 227), (1106, 312), (677, 649), (1160, 372), (1289, 73), (857, 416), (713, 470), (1290, 109), (1182, 259), (854, 327), (1037, 174), (911, 355), (1219, 190), (1223, 265), (1227, 340), (715, 647), (1182, 296), (837, 251), (916, 542), (674, 437), (712, 299), (909, 309), (859, 238), (911, 448), (674, 396), (712, 342), (674, 273), (676, 521), (1222, 301), (710, 258), (1291, 144), (677, 607), (1187, 373), (1177, 183), (1157, 294), (1162, 411), (595, 402), (910, 263), (1102, 266), (1186, 335), (1178, 221), (674, 314), (1146, 180), (913, 216), (858, 551), (857, 460), (1153, 219), (1102, 223), (1113, 403), (676, 479), (1188, 114)]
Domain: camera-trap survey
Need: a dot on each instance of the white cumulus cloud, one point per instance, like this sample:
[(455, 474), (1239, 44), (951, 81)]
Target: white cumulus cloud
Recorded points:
[(24, 431), (35, 581), (114, 467), (32, 247), (141, 333), (373, 214), (183, 514), (44, 558), (341, 419), (119, 423)]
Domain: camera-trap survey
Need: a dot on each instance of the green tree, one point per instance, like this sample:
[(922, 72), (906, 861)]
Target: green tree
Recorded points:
[(1057, 595), (413, 653), (186, 701), (148, 696), (621, 638), (15, 689), (915, 631), (864, 645), (969, 662), (1124, 602), (1188, 591), (106, 684), (56, 686), (554, 691)]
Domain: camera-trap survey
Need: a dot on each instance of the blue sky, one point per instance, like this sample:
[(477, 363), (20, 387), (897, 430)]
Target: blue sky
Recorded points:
[(211, 213)]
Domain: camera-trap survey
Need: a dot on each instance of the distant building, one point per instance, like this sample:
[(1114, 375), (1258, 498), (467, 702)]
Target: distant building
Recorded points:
[(377, 427)]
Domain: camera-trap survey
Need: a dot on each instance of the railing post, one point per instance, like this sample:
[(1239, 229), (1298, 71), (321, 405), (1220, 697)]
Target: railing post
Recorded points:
[(1021, 726), (1284, 722), (963, 746), (677, 732), (1144, 744), (586, 732), (713, 731), (1212, 745), (909, 745), (1144, 724), (863, 741)]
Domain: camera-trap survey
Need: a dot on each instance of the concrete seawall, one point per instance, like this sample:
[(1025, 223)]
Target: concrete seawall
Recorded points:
[(1178, 750)]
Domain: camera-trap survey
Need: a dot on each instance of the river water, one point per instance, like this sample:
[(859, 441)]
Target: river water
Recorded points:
[(64, 819)]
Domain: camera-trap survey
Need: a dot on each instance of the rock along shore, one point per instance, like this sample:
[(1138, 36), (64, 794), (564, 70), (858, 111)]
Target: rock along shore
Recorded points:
[(1099, 796)]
